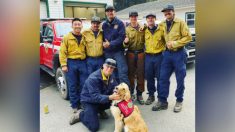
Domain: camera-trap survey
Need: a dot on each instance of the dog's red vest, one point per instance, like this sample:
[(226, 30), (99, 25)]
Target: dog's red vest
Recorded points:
[(126, 107)]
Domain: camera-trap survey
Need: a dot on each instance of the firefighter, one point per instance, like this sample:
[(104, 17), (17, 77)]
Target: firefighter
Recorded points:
[(154, 46), (73, 62), (97, 96), (114, 35), (93, 41), (134, 42), (176, 35)]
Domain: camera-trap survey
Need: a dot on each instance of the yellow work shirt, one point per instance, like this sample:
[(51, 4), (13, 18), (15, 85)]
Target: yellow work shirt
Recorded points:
[(154, 43), (179, 33), (105, 79), (136, 38), (70, 48), (94, 46)]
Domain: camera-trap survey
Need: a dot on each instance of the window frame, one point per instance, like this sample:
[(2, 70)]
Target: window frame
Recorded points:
[(193, 19)]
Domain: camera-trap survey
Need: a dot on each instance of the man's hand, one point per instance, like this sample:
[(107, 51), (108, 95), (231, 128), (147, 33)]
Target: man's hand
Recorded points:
[(106, 44), (126, 40), (142, 28), (64, 68), (114, 96), (170, 44)]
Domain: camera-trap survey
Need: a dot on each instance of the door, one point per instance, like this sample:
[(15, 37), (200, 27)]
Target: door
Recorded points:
[(48, 46)]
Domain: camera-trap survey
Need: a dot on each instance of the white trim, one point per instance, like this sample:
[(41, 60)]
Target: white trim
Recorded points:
[(189, 51), (55, 47), (41, 44)]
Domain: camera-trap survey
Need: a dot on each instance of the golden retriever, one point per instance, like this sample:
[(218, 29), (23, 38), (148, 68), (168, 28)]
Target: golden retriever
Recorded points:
[(132, 123)]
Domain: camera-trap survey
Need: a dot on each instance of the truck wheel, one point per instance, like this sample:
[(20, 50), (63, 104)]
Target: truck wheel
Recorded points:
[(61, 83)]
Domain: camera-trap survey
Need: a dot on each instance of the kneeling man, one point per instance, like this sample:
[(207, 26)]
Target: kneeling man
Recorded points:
[(97, 95)]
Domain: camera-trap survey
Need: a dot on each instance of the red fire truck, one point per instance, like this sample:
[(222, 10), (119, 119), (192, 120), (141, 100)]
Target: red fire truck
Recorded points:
[(51, 35)]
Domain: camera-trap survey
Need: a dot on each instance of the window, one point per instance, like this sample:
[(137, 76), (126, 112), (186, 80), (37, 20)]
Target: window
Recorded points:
[(41, 39), (48, 34), (190, 19), (43, 28), (48, 31), (63, 28)]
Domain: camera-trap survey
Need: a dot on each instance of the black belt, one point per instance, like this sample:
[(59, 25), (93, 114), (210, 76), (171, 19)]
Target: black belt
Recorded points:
[(153, 54), (76, 59), (96, 57), (136, 51), (179, 49)]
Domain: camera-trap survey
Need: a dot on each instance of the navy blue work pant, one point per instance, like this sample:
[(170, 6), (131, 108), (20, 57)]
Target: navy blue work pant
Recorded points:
[(76, 76), (121, 72), (152, 71), (94, 64), (172, 62), (89, 117)]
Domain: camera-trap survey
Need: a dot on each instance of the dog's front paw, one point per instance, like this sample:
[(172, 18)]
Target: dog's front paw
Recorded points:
[(118, 125)]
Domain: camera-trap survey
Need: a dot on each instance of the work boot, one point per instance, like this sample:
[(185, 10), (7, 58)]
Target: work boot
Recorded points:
[(150, 100), (75, 110), (103, 115), (75, 118), (178, 107), (160, 106), (133, 97), (140, 99), (79, 106)]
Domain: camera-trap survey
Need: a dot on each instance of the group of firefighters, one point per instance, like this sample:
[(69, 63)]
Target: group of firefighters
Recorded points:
[(153, 51)]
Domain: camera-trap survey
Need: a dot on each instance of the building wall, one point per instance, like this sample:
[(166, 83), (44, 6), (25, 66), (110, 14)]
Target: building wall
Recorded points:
[(109, 2), (43, 9), (83, 12), (56, 9)]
